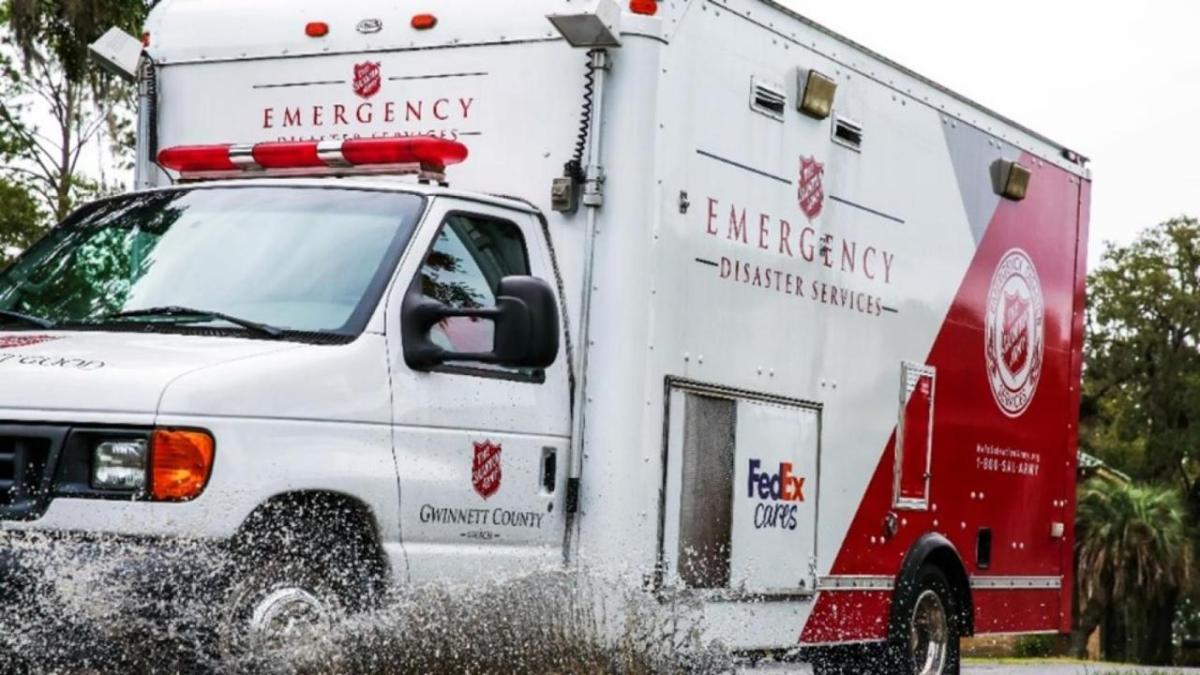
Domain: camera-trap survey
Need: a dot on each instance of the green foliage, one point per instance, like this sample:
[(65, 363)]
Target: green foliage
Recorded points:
[(1132, 543), (54, 102), (1133, 559), (1142, 379), (21, 219), (62, 30), (1036, 646)]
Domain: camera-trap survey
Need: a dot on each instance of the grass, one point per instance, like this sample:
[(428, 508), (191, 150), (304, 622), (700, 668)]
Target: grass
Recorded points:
[(1086, 667)]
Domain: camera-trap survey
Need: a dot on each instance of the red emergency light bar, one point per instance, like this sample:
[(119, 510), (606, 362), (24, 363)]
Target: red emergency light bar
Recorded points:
[(425, 156)]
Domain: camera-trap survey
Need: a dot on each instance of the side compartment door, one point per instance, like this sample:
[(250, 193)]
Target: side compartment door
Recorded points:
[(914, 437), (480, 449), (741, 493)]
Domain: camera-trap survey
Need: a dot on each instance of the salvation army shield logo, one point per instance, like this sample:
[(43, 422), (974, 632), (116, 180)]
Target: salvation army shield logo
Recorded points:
[(1014, 339), (1015, 333), (812, 187), (485, 469), (368, 78), (16, 341)]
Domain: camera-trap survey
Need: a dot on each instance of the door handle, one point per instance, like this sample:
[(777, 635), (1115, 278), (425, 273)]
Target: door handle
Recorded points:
[(549, 470)]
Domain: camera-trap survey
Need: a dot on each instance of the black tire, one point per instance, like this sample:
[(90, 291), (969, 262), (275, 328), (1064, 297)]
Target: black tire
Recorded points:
[(922, 601), (310, 576)]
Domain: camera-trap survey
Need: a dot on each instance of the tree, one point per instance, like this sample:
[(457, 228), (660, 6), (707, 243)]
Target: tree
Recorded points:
[(1134, 557), (54, 79), (1142, 377), (21, 219)]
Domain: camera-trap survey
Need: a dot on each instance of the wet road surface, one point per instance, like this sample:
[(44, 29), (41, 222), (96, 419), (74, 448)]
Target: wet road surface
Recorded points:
[(1047, 668)]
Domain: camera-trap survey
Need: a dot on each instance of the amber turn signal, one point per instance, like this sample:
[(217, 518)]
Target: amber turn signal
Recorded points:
[(180, 464)]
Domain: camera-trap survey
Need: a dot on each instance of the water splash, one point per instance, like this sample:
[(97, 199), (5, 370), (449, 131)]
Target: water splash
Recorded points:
[(93, 609)]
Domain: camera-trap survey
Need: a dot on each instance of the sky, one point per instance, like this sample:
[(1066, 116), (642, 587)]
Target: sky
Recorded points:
[(1118, 82)]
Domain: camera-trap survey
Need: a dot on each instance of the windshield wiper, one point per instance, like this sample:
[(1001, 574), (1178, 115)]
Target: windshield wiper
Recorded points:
[(203, 314), (27, 318)]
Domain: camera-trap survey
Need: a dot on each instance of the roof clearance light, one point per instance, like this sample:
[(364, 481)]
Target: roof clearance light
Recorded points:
[(647, 7), (424, 21), (424, 155), (316, 29)]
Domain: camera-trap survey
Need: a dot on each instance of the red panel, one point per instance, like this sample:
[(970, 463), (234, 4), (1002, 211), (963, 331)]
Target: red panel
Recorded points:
[(1010, 611), (849, 616), (1010, 472)]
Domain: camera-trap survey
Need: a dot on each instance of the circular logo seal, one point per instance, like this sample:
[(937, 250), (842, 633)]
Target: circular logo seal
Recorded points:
[(1015, 333)]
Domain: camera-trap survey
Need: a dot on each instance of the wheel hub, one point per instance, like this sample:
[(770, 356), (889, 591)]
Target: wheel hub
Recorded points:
[(930, 636), (287, 616)]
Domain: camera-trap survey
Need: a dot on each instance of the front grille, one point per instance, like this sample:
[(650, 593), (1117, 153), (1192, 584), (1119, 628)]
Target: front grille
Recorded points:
[(28, 454), (24, 478)]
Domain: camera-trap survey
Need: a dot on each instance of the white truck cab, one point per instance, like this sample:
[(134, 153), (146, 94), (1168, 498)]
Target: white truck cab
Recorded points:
[(769, 320)]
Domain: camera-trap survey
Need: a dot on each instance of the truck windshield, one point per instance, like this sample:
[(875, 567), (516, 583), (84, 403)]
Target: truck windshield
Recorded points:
[(311, 260)]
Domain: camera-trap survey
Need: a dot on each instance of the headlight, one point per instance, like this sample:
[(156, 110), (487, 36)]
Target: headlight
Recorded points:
[(120, 465)]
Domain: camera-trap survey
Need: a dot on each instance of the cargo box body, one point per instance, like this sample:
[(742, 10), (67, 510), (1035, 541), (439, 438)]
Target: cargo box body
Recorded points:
[(816, 348)]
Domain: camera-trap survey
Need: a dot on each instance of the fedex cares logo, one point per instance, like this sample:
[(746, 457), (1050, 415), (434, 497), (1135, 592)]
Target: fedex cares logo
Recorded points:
[(779, 493)]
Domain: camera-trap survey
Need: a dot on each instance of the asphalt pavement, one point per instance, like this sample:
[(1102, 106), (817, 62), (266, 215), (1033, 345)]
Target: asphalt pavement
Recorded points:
[(1066, 669), (1031, 668)]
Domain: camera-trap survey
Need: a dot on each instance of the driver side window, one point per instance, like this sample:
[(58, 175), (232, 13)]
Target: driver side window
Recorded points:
[(469, 257)]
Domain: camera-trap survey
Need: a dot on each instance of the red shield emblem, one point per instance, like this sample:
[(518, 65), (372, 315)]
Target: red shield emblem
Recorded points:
[(812, 187), (367, 79), (15, 341), (485, 469), (1015, 338)]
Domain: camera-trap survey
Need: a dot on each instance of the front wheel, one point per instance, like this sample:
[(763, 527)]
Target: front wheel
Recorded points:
[(291, 584), (274, 607), (925, 639)]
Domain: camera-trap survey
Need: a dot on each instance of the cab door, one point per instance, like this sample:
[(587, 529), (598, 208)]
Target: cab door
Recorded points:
[(480, 448)]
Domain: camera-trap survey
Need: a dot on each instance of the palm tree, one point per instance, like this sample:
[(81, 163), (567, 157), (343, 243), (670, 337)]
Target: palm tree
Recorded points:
[(1133, 557)]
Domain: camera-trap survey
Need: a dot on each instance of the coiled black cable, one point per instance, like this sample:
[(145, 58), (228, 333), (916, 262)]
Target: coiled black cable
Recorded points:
[(574, 168)]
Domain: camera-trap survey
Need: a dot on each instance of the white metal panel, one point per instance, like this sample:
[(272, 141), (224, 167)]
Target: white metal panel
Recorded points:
[(775, 498), (91, 373), (714, 327)]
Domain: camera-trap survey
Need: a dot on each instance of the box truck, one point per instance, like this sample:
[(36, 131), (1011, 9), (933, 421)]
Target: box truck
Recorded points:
[(693, 288)]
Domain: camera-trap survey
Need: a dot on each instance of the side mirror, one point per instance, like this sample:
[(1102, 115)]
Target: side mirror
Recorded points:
[(526, 326)]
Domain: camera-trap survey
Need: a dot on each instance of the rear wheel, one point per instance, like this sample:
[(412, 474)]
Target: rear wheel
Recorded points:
[(925, 639)]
